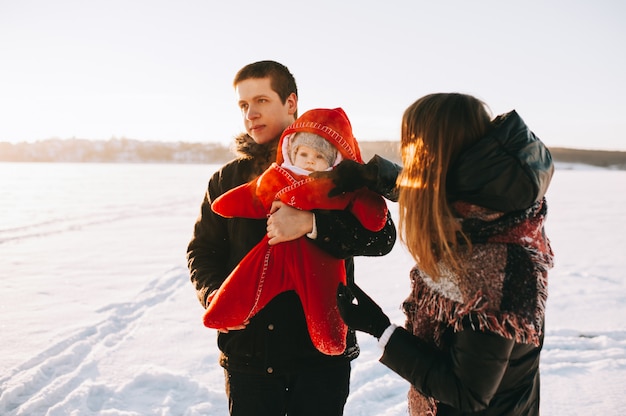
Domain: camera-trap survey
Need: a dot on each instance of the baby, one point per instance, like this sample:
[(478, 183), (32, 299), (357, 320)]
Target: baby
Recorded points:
[(316, 141)]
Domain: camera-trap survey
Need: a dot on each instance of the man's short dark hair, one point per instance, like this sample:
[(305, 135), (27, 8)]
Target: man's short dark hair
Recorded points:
[(281, 80)]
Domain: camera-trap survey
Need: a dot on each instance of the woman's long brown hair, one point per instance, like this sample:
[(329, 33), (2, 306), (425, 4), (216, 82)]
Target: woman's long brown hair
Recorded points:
[(435, 130)]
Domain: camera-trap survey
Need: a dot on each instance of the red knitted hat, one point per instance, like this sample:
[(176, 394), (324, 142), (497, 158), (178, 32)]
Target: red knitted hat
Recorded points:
[(331, 124)]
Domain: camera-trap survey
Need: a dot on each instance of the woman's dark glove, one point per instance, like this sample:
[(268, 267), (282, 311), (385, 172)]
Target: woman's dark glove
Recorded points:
[(349, 176), (365, 315), (378, 175)]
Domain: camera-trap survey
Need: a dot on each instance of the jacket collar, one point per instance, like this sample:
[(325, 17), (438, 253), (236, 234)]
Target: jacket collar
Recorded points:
[(245, 147)]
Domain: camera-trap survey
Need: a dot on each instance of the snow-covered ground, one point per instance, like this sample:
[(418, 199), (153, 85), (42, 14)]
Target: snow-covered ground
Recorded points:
[(98, 317)]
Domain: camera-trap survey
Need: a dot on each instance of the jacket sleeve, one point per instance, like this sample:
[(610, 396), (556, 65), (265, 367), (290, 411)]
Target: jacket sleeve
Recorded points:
[(341, 234), (208, 244), (465, 377)]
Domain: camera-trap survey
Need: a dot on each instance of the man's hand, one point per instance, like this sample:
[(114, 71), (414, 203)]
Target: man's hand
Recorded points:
[(224, 330), (365, 315), (233, 328), (286, 223)]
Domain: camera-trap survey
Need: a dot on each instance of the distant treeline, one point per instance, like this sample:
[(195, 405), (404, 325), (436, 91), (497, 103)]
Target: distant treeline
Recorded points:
[(136, 151), (113, 151), (601, 158)]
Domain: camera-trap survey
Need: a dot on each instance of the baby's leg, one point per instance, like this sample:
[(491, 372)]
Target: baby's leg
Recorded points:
[(317, 288)]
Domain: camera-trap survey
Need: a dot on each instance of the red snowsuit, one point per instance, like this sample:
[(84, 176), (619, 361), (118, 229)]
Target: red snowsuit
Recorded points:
[(299, 265)]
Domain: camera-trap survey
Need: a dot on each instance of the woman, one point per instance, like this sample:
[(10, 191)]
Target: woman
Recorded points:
[(472, 209)]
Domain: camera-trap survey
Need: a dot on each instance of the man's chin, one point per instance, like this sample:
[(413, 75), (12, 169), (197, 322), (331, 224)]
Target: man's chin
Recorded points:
[(262, 138)]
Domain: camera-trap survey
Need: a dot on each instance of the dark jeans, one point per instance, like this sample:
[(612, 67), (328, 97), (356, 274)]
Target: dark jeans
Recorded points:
[(315, 392)]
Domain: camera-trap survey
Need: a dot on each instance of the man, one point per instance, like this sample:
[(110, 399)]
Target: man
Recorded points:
[(271, 365)]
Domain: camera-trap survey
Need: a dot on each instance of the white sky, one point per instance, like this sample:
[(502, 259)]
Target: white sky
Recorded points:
[(163, 70)]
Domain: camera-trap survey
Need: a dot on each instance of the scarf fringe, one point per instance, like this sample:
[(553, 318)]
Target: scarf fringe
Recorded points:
[(481, 315)]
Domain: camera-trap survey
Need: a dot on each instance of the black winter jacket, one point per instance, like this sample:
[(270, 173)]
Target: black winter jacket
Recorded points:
[(482, 373), (276, 339)]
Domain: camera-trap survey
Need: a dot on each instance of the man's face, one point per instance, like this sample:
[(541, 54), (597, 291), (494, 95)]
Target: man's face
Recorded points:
[(265, 116)]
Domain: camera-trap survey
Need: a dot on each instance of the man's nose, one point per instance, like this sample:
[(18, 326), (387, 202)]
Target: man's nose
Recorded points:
[(252, 113)]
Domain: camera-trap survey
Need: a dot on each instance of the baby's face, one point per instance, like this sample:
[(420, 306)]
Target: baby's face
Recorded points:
[(310, 159)]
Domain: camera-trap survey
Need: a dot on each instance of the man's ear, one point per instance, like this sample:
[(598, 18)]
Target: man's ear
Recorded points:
[(292, 103)]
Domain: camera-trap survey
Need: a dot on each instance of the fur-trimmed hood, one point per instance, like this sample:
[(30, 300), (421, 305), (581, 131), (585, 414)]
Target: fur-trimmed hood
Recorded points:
[(263, 155)]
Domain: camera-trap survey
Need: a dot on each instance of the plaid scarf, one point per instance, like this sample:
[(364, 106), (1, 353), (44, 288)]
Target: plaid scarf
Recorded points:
[(502, 287)]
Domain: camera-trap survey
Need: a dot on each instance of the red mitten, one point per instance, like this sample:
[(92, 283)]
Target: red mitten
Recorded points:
[(240, 202), (370, 208)]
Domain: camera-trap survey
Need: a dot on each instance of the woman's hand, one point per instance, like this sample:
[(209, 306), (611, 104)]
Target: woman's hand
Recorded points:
[(365, 315), (378, 175), (349, 176)]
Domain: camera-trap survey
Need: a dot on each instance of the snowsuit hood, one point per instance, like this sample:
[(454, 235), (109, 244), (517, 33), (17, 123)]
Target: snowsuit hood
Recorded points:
[(331, 124)]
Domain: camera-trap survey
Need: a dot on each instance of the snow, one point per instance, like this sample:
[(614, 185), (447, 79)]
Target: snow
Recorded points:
[(98, 316)]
